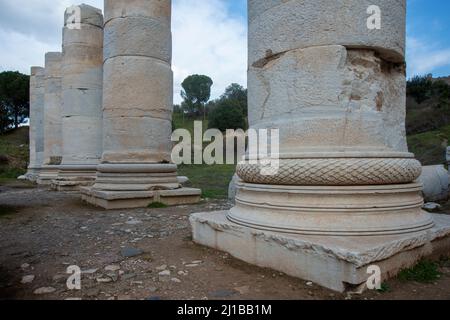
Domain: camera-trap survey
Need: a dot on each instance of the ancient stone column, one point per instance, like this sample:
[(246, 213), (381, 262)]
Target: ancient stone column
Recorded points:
[(37, 93), (82, 81), (338, 98), (137, 109), (345, 194), (52, 118)]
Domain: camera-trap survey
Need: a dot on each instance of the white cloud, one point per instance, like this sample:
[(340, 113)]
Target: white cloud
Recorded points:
[(19, 51), (30, 28), (207, 39), (425, 57)]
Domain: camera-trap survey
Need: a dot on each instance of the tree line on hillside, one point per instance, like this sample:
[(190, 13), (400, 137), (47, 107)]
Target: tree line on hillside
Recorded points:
[(14, 100), (428, 104)]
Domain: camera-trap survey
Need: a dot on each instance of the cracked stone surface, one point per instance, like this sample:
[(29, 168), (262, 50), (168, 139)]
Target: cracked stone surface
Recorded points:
[(360, 99)]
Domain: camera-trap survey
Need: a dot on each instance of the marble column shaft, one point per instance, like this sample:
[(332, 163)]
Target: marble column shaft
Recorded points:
[(138, 82), (52, 118), (82, 82), (137, 109), (37, 95)]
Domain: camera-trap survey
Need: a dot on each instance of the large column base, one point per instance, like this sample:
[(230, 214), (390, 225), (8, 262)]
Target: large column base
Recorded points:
[(72, 177), (336, 262), (111, 200), (332, 210), (128, 186), (47, 175)]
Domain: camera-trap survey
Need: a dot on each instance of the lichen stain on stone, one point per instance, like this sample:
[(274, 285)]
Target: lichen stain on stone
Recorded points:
[(379, 101)]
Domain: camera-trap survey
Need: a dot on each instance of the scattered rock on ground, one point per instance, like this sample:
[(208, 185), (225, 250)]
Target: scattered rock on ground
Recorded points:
[(25, 266), (104, 280), (164, 275), (27, 279), (131, 252), (112, 268), (134, 222), (89, 271), (222, 293), (192, 265), (242, 290), (431, 206), (161, 268), (44, 290)]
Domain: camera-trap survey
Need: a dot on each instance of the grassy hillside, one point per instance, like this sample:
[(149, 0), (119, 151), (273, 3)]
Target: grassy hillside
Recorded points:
[(430, 147), (427, 104), (428, 118), (180, 122), (213, 180), (14, 154)]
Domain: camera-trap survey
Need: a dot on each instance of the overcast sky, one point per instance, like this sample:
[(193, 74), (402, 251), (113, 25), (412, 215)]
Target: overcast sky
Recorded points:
[(209, 37)]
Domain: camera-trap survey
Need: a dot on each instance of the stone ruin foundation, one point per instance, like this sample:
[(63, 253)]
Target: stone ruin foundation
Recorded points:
[(345, 196)]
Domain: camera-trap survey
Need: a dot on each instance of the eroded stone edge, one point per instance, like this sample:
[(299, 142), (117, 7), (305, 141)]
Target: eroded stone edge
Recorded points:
[(382, 249)]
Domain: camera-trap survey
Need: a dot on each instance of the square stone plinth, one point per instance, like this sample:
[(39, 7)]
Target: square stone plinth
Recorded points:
[(339, 263), (47, 175), (111, 200), (70, 186)]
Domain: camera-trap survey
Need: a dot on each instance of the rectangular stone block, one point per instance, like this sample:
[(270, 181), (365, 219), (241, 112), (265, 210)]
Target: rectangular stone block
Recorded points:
[(337, 263), (112, 200)]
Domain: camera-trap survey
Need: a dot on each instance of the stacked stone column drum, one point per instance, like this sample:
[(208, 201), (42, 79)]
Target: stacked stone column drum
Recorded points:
[(137, 109), (37, 96), (52, 118), (82, 79), (338, 98), (345, 194)]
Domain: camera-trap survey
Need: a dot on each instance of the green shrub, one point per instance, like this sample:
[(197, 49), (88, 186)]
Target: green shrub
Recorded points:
[(227, 115), (424, 272), (428, 105), (157, 205)]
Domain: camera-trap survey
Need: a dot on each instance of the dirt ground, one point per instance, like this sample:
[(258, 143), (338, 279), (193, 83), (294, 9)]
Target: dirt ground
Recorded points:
[(123, 252)]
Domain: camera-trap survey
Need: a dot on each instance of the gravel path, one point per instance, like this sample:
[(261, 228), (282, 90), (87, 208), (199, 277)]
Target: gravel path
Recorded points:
[(138, 254)]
